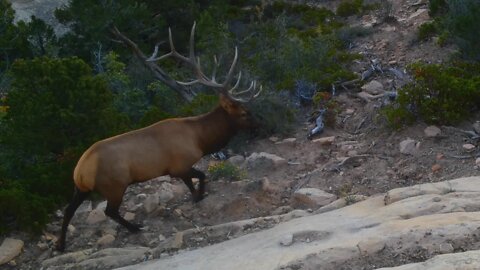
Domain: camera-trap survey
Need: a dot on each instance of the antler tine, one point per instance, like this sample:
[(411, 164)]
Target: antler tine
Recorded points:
[(232, 67), (215, 66), (231, 91), (251, 89), (154, 54), (192, 42)]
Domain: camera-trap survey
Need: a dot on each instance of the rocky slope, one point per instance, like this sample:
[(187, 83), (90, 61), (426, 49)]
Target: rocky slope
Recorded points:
[(359, 196)]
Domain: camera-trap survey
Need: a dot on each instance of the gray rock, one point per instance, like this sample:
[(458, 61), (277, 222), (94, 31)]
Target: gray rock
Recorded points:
[(287, 240), (312, 198), (374, 87), (237, 160), (409, 147), (85, 207), (96, 216), (468, 147), (129, 216), (102, 205), (476, 127), (432, 131), (106, 240), (10, 249), (263, 159), (165, 193), (151, 203)]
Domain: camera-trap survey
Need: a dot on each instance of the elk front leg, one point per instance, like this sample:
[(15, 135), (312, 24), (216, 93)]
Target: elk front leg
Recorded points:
[(187, 179)]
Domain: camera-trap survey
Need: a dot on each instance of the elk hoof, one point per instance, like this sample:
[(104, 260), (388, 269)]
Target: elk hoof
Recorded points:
[(134, 228)]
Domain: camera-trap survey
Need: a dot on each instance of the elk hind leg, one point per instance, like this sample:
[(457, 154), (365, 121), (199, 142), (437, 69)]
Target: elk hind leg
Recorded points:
[(114, 199), (78, 198)]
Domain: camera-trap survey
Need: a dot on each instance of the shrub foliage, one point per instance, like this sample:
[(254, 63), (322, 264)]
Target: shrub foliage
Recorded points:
[(440, 94)]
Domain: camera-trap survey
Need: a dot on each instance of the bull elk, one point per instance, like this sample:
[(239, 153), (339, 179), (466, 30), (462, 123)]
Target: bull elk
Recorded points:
[(169, 147)]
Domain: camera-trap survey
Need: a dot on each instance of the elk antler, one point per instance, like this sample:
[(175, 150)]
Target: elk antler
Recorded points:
[(201, 78)]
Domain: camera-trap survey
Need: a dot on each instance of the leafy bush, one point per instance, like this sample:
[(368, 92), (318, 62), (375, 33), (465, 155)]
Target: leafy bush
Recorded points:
[(440, 94), (56, 109), (202, 103), (349, 7), (426, 30), (459, 19), (225, 170)]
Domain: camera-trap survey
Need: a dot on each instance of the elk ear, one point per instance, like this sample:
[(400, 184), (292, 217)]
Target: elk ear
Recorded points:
[(227, 103)]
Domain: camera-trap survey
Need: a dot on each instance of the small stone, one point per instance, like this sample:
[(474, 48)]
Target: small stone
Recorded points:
[(237, 160), (96, 216), (151, 203), (262, 157), (374, 87), (287, 240), (12, 263), (106, 240), (273, 139), (432, 131), (71, 229), (476, 127), (287, 141), (42, 246), (178, 212), (436, 168), (468, 147), (59, 213), (349, 111), (10, 249), (129, 216), (477, 161), (440, 156), (325, 140), (177, 241), (161, 238), (409, 147), (312, 198)]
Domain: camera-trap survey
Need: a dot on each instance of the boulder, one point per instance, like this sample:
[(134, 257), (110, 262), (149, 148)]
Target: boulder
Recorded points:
[(10, 249)]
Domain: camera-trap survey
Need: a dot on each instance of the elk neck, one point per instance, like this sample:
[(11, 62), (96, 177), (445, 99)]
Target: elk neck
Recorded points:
[(216, 128)]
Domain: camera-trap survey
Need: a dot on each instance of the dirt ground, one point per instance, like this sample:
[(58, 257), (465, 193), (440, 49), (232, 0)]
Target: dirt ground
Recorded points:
[(374, 163)]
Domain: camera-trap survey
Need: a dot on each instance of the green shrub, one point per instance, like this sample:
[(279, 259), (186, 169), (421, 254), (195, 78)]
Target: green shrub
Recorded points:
[(349, 7), (275, 114), (426, 30), (22, 209), (202, 103), (57, 108), (440, 94), (459, 19), (225, 170)]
